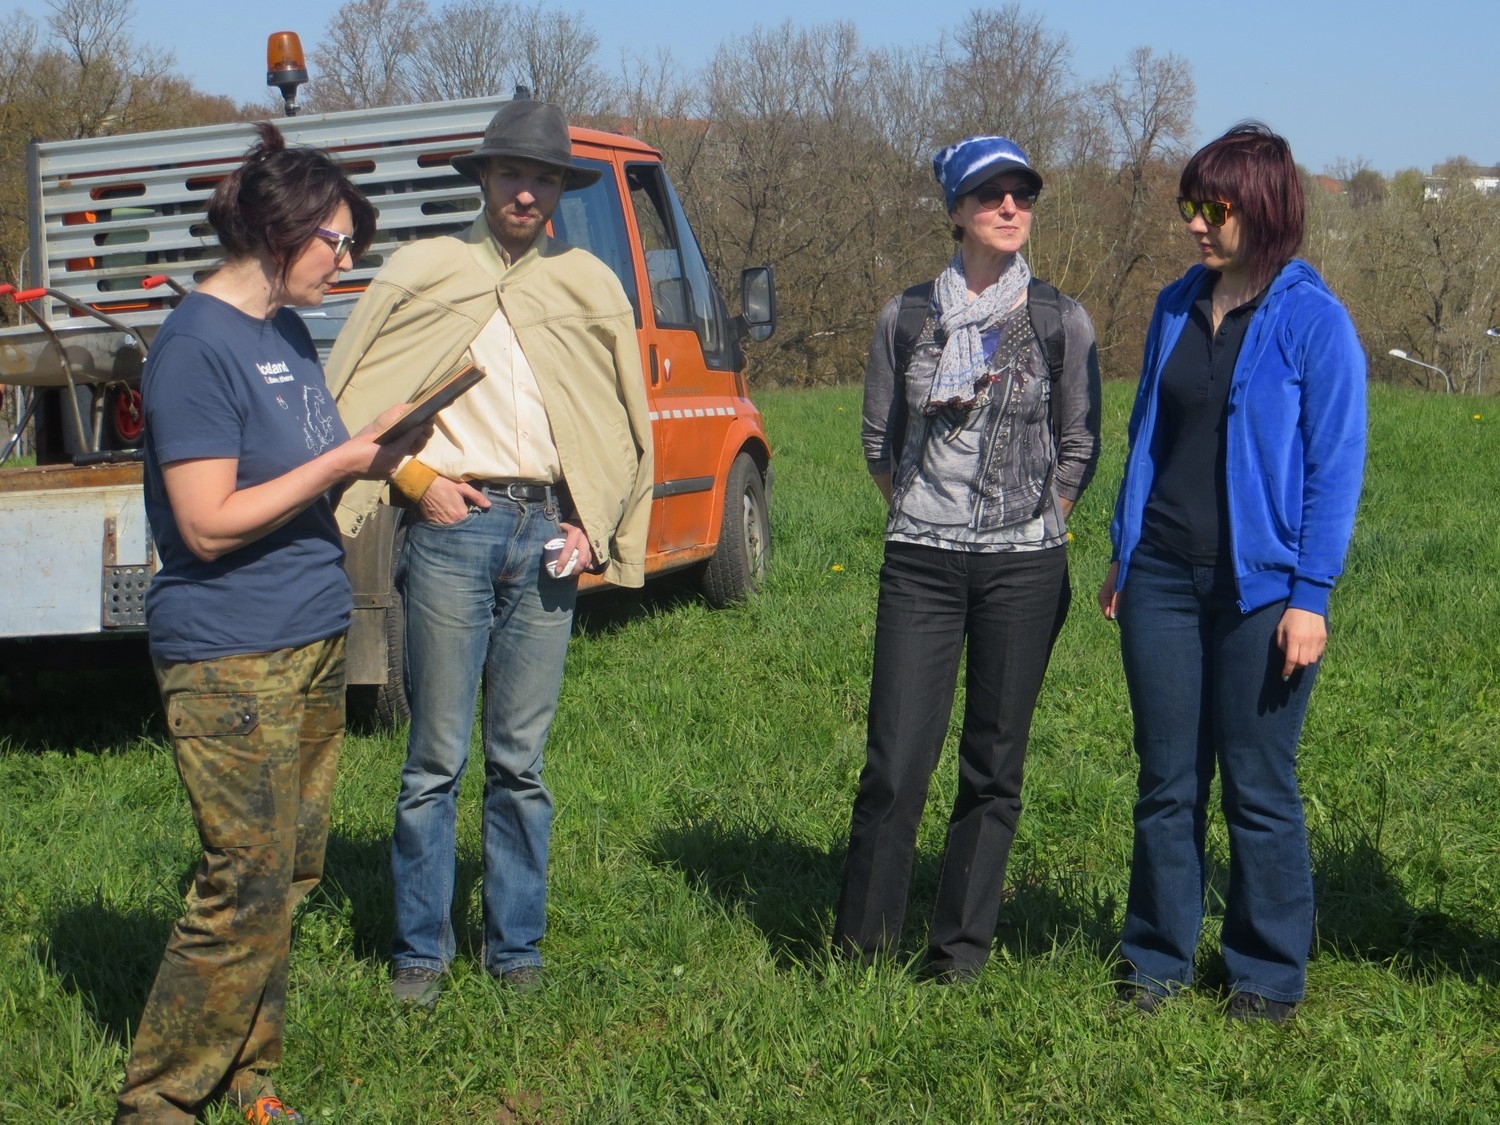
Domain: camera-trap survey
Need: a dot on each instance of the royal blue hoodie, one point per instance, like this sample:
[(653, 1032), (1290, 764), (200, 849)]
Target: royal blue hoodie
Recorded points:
[(1295, 433)]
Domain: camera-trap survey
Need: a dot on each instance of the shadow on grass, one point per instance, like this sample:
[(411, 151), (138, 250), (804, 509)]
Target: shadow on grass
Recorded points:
[(358, 871), (789, 891), (1045, 910), (109, 957), (87, 699), (1364, 912), (612, 608), (786, 888)]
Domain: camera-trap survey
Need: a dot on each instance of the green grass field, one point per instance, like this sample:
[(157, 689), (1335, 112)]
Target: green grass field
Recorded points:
[(704, 763)]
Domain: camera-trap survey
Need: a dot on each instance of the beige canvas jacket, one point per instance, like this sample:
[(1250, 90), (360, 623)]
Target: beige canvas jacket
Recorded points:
[(416, 320)]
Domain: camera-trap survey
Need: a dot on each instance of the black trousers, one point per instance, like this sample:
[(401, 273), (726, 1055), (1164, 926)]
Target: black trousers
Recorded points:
[(1009, 607)]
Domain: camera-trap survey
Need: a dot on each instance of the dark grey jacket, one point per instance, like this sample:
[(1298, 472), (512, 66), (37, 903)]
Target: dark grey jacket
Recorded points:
[(984, 469)]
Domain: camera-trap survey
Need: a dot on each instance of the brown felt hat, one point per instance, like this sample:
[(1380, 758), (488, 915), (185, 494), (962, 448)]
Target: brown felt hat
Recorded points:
[(528, 130)]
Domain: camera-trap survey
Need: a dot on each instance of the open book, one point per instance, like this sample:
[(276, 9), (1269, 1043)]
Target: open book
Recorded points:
[(426, 405)]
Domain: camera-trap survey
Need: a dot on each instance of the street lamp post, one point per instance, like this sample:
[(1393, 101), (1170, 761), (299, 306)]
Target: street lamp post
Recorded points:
[(1447, 382), (1493, 334)]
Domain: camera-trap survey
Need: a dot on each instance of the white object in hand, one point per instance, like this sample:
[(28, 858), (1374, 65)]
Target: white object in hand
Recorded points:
[(552, 558)]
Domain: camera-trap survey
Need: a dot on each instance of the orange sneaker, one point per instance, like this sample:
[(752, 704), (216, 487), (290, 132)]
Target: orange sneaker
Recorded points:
[(270, 1111)]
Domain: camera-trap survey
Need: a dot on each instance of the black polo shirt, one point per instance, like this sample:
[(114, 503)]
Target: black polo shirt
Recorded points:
[(1184, 516)]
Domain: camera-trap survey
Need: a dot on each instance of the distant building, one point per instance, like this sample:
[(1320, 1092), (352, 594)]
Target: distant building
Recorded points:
[(1487, 183)]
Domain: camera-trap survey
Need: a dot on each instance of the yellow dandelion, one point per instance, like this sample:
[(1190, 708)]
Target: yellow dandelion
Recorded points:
[(1477, 417), (837, 566)]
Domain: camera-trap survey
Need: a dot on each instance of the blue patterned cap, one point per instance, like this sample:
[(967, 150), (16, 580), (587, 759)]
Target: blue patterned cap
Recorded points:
[(963, 166)]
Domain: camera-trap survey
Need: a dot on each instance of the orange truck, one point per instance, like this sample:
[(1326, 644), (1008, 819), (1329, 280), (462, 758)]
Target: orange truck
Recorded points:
[(118, 233)]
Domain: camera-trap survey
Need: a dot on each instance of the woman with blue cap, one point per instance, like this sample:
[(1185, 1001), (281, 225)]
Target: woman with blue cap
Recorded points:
[(981, 429)]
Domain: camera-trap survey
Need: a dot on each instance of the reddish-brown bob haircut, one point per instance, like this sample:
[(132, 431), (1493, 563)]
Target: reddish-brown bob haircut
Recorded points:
[(276, 200), (1251, 168)]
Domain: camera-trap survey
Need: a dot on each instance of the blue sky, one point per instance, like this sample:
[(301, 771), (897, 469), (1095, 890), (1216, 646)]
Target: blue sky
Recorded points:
[(1399, 85)]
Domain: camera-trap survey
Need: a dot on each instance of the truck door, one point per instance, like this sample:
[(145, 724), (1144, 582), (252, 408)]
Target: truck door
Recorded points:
[(593, 218), (689, 358)]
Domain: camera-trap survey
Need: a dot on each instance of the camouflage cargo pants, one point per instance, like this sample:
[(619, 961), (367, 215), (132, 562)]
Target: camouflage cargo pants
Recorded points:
[(256, 740)]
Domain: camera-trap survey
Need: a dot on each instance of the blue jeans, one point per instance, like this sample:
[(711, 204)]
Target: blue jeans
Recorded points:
[(478, 604), (1206, 690)]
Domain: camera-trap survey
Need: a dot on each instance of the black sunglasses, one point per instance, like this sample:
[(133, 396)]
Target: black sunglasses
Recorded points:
[(1215, 212), (340, 242), (990, 196)]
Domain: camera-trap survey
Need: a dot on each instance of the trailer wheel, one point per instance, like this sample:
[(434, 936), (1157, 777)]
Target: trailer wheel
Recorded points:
[(739, 565), (127, 422)]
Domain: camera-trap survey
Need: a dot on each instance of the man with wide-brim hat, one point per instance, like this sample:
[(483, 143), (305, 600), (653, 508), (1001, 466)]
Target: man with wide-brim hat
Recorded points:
[(528, 130), (531, 455)]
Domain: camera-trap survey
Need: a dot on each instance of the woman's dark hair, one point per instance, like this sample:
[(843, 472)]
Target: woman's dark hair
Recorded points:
[(276, 200), (1251, 168)]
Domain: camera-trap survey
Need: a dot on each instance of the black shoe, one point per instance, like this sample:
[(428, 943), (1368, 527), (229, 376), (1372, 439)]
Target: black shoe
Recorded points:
[(417, 986), (1141, 998), (524, 979), (1248, 1007), (950, 972)]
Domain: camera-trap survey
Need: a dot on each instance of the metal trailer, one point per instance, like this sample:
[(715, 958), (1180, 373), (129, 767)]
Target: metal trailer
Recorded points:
[(118, 231)]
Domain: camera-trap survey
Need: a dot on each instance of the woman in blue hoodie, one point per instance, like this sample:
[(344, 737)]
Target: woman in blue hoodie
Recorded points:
[(1246, 453)]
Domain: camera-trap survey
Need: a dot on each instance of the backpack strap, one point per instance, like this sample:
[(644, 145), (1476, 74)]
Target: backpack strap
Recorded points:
[(916, 307), (1044, 306)]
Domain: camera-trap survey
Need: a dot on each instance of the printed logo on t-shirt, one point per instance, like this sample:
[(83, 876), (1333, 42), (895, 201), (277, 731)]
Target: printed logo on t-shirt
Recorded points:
[(317, 425), (277, 372)]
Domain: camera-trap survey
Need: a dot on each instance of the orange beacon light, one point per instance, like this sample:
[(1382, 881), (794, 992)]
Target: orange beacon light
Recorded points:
[(286, 67)]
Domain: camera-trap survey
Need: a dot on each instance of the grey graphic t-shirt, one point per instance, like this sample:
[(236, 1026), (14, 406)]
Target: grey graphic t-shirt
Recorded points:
[(221, 384)]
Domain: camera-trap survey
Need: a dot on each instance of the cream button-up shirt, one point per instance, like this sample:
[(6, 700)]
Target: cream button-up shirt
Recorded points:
[(498, 430)]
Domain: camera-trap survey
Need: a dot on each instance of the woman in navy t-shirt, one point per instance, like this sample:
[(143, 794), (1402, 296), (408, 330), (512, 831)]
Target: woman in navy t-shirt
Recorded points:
[(247, 617)]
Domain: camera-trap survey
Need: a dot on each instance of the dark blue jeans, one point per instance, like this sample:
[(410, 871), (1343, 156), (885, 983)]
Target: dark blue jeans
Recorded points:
[(1206, 690), (1008, 607)]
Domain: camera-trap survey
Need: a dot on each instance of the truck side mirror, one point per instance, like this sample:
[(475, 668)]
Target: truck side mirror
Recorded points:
[(757, 318)]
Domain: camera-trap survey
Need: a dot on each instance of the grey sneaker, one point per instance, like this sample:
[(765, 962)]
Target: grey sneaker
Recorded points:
[(417, 986), (1139, 998), (1247, 1007), (523, 979)]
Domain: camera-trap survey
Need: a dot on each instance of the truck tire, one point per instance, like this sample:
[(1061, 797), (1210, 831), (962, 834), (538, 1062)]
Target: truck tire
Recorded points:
[(739, 565), (388, 706)]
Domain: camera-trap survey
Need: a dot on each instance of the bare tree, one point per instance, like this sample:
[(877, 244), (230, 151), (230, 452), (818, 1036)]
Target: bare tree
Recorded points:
[(663, 105), (654, 89), (1365, 188), (558, 51), (798, 172), (1004, 72), (366, 56), (467, 50), (97, 79), (1420, 272), (1145, 109), (905, 95)]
